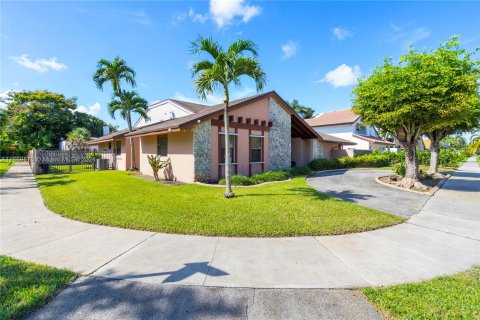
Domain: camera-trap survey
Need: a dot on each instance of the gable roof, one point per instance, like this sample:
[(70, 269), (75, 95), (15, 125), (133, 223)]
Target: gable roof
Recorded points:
[(372, 139), (191, 106), (109, 137), (329, 138), (207, 113), (204, 112), (333, 118)]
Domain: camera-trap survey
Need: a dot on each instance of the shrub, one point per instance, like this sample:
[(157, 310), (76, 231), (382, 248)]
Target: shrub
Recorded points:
[(400, 169), (238, 180), (270, 176), (300, 171), (324, 164), (267, 176)]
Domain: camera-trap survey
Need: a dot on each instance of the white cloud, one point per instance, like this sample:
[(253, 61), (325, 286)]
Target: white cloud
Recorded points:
[(342, 76), (197, 17), (91, 110), (179, 17), (341, 32), (39, 65), (289, 49), (224, 12), (408, 35)]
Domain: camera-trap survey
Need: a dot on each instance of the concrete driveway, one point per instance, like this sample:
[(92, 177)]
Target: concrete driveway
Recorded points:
[(359, 186), (154, 268)]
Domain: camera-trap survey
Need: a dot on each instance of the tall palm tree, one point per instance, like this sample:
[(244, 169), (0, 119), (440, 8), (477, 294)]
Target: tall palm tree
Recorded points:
[(126, 102), (114, 71), (227, 67)]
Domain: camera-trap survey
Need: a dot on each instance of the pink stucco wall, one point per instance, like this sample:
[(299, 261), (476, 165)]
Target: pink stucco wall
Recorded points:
[(180, 152), (302, 151), (256, 110)]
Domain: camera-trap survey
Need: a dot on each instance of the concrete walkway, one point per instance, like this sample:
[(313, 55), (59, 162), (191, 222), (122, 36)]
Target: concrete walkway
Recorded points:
[(360, 187), (444, 238)]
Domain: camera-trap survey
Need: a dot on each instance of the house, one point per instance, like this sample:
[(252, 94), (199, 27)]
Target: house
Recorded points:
[(266, 134), (346, 125)]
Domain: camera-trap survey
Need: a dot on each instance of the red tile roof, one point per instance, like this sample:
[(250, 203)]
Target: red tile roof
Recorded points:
[(333, 118)]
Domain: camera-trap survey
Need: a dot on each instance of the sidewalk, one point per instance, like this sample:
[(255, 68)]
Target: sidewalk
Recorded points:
[(444, 238)]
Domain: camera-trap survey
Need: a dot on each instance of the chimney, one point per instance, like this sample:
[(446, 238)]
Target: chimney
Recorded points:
[(106, 130)]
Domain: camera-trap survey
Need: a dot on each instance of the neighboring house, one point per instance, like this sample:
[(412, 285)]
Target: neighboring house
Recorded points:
[(266, 135), (346, 125)]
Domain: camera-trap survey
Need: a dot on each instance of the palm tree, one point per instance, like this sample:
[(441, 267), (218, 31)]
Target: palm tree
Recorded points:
[(226, 68), (126, 102), (114, 71), (78, 138), (304, 112)]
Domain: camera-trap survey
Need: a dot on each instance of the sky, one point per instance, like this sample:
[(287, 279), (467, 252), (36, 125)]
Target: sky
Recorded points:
[(313, 51)]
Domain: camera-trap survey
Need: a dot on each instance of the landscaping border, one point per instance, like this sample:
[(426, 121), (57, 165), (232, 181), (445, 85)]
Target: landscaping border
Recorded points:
[(429, 193)]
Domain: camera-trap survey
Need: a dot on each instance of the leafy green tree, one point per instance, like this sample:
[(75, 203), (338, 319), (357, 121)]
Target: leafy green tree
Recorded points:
[(426, 91), (455, 91), (78, 138), (304, 112), (126, 103), (91, 123), (227, 68), (114, 72), (37, 119)]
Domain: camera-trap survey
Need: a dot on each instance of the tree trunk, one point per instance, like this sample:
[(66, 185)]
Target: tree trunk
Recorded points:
[(132, 149), (435, 138), (408, 138), (228, 188)]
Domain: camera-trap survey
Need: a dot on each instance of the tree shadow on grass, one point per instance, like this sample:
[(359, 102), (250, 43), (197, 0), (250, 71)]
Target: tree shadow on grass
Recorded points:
[(347, 195)]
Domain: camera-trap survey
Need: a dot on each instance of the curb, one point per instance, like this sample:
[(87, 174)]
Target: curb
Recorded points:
[(429, 193)]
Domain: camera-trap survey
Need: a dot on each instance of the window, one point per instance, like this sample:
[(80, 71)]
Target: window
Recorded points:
[(162, 145), (110, 146), (118, 147), (233, 147), (256, 146)]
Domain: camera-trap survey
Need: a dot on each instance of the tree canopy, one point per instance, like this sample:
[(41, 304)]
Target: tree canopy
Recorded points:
[(425, 91), (40, 119)]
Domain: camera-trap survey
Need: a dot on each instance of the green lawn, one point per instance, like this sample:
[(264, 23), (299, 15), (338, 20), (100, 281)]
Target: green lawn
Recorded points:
[(4, 166), (446, 297), (289, 208), (25, 286)]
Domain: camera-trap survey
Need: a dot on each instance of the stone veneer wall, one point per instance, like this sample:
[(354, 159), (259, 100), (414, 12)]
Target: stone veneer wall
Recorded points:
[(317, 151), (201, 151), (280, 140)]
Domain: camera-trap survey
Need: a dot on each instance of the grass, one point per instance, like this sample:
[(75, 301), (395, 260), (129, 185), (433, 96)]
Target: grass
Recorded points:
[(4, 166), (25, 286), (289, 208), (446, 297)]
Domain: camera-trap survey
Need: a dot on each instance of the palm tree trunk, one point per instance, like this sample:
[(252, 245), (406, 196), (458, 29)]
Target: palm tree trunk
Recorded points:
[(132, 149), (228, 188)]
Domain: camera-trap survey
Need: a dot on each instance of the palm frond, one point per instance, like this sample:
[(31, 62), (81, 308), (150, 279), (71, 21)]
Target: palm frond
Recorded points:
[(240, 46), (206, 44), (251, 67)]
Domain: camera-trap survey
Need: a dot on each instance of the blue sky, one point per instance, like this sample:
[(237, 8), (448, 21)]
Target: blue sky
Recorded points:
[(311, 50)]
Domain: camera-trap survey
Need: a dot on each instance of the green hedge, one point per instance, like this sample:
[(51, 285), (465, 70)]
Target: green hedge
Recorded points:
[(267, 176), (446, 157)]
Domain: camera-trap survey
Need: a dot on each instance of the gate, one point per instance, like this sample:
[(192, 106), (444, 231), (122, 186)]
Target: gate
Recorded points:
[(71, 161)]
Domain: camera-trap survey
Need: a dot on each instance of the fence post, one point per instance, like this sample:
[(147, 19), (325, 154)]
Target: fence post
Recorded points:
[(94, 161), (70, 160)]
